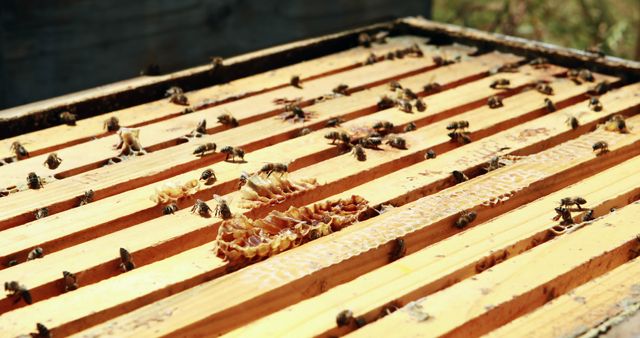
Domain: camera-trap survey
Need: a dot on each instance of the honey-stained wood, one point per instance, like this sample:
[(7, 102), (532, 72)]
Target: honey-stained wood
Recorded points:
[(514, 248)]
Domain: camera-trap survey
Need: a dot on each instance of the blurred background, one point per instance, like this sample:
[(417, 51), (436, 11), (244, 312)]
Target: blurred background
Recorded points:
[(50, 48)]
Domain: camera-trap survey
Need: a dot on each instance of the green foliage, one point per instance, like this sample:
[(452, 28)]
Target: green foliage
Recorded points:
[(612, 25)]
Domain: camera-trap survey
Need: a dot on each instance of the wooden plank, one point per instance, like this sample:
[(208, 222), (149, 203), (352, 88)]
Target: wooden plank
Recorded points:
[(519, 285), (445, 262), (16, 242), (419, 144), (89, 155), (598, 304), (321, 264), (57, 137), (167, 222), (163, 164)]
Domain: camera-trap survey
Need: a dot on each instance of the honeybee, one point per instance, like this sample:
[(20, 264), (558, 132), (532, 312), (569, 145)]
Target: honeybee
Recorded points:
[(460, 137), (565, 214), (208, 176), (551, 107), (14, 289), (397, 142), (341, 89), (86, 198), (216, 62), (386, 102), (176, 95), (500, 84), (569, 201), (405, 106), (371, 59), (383, 127), (169, 209), (595, 104), (344, 318), (295, 81), (573, 122), (600, 88), (187, 110), (111, 124), (201, 208), (601, 147), (228, 120), (430, 154), (335, 136), (364, 40), (544, 88), (616, 123), (201, 128), (36, 253), (398, 251), (41, 213), (70, 281), (459, 176), (420, 105), (359, 153), (222, 209), (43, 331), (455, 125), (18, 149), (296, 113), (442, 61), (465, 218), (34, 181), (270, 168), (334, 122), (371, 142), (586, 75), (126, 261), (494, 164), (539, 63), (201, 149), (494, 102), (432, 87), (304, 131), (409, 127), (244, 177), (588, 216), (393, 85), (399, 53), (390, 56), (233, 152), (52, 161), (508, 68), (68, 118), (409, 94)]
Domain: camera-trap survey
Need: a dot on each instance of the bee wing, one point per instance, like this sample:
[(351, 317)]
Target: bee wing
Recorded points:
[(125, 256), (221, 199)]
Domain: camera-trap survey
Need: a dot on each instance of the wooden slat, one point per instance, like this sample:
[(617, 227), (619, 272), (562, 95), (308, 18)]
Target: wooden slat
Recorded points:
[(57, 137), (604, 300), (85, 156), (445, 262), (62, 195), (519, 285), (418, 141), (267, 286)]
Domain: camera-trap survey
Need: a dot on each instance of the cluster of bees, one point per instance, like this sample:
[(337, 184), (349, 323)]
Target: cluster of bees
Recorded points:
[(563, 213), (411, 51), (370, 138), (405, 99)]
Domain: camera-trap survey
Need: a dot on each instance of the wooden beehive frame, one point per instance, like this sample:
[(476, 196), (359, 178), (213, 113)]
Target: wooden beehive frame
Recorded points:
[(180, 286)]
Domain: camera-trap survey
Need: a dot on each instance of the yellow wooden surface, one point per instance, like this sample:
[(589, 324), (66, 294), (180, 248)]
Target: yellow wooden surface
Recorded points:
[(582, 309), (209, 306)]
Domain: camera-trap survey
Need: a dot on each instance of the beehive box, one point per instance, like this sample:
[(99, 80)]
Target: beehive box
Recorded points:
[(347, 236)]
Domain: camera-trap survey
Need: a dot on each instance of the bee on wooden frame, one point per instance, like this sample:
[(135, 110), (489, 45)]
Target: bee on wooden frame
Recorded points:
[(202, 149), (227, 120), (18, 292), (551, 107), (600, 147), (36, 253), (595, 104), (176, 95), (570, 201), (34, 181), (233, 152), (466, 217), (68, 118), (359, 153), (222, 209), (41, 213), (169, 209), (201, 208), (126, 261), (296, 82), (70, 281), (53, 161), (269, 168), (344, 318), (19, 150), (500, 84), (494, 102), (208, 176)]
